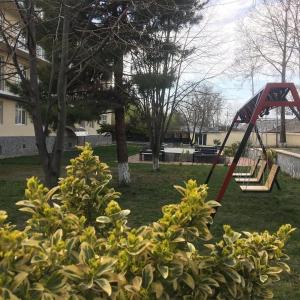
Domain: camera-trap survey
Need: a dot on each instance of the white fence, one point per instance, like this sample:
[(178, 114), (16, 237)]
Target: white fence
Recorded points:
[(288, 161)]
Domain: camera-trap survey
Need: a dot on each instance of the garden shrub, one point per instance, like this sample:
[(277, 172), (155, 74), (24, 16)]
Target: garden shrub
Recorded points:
[(77, 245), (271, 156)]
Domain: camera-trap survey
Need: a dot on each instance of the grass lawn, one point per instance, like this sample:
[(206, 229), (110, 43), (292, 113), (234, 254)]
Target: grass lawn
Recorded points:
[(149, 191)]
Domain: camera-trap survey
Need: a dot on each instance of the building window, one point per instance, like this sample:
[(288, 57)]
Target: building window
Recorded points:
[(82, 124), (21, 115), (1, 112), (103, 119)]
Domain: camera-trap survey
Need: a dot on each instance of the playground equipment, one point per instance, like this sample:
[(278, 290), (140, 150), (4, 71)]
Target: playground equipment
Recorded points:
[(258, 177), (272, 96), (267, 187), (251, 171)]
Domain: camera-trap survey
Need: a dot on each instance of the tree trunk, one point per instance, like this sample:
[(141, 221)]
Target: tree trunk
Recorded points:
[(155, 147), (282, 118), (34, 94), (282, 111), (155, 161), (282, 128), (156, 138), (283, 77), (120, 126), (58, 148), (122, 153)]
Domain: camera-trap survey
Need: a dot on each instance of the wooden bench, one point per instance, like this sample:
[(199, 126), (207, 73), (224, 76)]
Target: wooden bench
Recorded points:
[(251, 171), (259, 176), (268, 185)]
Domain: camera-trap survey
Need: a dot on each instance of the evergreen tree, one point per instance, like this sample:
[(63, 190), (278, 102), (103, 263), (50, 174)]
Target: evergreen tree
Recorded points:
[(158, 65)]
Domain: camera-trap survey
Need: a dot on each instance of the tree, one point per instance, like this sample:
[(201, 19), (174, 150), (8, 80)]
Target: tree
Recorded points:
[(201, 109), (271, 32), (77, 37), (73, 40), (248, 62), (295, 4), (158, 67)]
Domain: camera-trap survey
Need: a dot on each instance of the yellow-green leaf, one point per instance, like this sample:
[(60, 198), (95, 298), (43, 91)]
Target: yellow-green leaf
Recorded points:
[(147, 276), (163, 270), (105, 285)]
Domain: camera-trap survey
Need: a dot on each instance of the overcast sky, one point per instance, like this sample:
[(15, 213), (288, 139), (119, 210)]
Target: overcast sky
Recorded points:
[(222, 17)]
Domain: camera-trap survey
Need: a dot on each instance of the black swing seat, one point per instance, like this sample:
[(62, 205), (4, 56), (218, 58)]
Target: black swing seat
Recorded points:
[(251, 171), (259, 176), (268, 185)]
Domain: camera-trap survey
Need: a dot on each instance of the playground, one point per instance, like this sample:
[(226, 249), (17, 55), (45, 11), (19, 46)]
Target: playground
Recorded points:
[(149, 191), (255, 195)]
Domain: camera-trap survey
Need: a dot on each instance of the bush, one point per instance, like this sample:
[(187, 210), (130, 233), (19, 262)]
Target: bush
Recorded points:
[(271, 156), (217, 142), (76, 245), (232, 149)]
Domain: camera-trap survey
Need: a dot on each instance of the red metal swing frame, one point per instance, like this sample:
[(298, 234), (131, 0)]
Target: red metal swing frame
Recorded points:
[(272, 96)]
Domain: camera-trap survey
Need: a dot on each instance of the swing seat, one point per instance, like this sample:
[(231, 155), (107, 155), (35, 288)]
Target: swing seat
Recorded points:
[(250, 173), (258, 178), (268, 185)]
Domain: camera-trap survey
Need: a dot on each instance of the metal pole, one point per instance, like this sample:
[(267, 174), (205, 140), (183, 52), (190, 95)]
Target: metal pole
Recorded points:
[(297, 114), (221, 150), (235, 162)]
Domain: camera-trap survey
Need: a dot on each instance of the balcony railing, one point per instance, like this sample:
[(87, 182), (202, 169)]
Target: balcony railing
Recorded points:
[(12, 32)]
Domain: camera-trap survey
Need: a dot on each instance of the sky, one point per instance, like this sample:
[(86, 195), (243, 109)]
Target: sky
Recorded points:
[(221, 20)]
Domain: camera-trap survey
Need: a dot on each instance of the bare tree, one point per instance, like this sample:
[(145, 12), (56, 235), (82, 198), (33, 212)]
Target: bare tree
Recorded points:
[(248, 63), (270, 30), (295, 4), (201, 108)]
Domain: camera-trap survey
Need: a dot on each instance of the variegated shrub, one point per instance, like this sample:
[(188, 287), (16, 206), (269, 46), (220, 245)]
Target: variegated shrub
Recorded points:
[(76, 245)]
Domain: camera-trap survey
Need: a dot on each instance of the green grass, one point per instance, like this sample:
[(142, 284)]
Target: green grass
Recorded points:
[(149, 191)]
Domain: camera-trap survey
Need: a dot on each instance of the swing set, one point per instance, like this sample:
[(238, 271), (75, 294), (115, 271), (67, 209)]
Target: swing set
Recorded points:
[(272, 96)]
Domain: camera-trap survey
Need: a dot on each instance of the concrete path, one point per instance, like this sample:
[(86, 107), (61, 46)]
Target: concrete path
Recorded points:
[(135, 159)]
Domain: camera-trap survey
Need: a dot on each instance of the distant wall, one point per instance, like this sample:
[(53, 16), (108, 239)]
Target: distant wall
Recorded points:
[(269, 139), (234, 137), (25, 145)]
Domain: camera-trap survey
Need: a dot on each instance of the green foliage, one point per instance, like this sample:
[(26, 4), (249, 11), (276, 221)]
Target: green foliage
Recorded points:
[(231, 150), (217, 142), (136, 127), (76, 245), (148, 81), (271, 156)]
